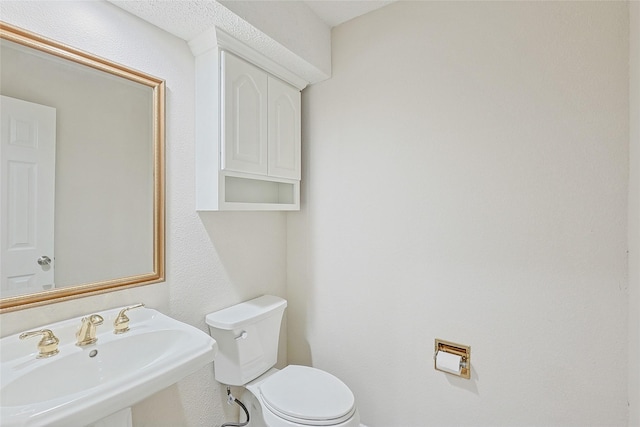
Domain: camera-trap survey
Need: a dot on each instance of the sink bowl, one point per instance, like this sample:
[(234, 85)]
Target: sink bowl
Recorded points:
[(81, 385)]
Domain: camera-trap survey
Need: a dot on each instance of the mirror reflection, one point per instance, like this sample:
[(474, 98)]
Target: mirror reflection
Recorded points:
[(80, 176)]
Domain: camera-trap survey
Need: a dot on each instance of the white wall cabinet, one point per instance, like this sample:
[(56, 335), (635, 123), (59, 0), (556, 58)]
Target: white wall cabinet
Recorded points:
[(247, 130), (283, 130), (244, 116), (260, 121)]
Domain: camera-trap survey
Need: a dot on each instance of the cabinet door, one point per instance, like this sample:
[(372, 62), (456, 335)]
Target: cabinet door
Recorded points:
[(244, 116), (284, 130)]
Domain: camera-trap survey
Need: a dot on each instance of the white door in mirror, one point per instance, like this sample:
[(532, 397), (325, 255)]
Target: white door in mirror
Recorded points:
[(27, 174)]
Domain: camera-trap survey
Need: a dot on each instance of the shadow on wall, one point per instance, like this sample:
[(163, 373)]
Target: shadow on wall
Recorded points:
[(303, 354), (171, 411), (252, 250), (299, 313), (470, 385), (251, 247), (166, 408)]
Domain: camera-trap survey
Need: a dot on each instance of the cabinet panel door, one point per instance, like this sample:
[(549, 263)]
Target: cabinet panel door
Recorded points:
[(284, 130), (244, 116)]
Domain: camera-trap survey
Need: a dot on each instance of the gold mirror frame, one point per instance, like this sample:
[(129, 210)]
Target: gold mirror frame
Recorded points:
[(35, 41)]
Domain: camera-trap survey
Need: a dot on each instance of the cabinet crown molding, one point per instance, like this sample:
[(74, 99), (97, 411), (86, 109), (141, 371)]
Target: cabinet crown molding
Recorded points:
[(215, 38)]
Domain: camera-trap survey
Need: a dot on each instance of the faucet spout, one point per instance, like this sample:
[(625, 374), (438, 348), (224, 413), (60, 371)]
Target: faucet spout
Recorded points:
[(87, 333)]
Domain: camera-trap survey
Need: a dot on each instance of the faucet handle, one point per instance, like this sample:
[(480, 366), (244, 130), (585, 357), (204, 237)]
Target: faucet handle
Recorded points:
[(121, 324), (48, 345)]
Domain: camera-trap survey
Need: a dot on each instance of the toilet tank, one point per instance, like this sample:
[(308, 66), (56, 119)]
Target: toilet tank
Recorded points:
[(247, 335)]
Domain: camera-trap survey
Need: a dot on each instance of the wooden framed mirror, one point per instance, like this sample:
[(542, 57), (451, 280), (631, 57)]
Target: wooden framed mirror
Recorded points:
[(82, 173)]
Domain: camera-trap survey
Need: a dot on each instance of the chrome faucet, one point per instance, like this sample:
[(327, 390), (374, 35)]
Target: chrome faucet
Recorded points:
[(87, 333)]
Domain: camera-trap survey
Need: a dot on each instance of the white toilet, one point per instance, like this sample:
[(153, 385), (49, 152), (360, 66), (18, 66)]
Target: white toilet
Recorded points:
[(247, 336)]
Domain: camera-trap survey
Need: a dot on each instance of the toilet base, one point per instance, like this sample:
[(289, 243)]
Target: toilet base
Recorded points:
[(255, 410)]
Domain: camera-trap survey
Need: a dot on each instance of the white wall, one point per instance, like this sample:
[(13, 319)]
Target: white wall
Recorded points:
[(213, 259), (634, 216), (465, 178)]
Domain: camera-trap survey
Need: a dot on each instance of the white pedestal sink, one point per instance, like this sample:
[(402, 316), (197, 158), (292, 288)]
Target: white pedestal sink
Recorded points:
[(81, 385)]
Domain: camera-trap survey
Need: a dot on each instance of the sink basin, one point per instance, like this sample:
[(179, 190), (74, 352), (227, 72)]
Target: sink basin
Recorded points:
[(81, 385)]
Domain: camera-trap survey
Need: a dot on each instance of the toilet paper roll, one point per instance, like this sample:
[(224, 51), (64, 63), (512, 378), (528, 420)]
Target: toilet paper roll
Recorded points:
[(448, 362)]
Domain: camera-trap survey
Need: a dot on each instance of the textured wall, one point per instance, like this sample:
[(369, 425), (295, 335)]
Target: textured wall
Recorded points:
[(465, 177), (286, 32), (634, 217), (213, 259), (292, 24)]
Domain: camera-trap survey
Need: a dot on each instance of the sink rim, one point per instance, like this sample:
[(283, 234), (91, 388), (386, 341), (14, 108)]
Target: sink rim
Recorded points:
[(89, 405)]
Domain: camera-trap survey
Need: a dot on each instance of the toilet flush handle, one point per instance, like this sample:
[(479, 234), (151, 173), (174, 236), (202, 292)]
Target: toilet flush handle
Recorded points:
[(242, 335)]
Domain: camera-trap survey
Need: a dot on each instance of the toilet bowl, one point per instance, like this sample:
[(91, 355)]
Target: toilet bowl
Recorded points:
[(247, 336), (300, 396)]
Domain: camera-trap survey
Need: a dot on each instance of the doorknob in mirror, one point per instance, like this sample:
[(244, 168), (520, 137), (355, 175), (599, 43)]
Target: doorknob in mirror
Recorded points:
[(44, 260)]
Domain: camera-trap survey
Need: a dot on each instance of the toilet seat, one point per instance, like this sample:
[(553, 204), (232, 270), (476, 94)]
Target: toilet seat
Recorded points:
[(308, 396)]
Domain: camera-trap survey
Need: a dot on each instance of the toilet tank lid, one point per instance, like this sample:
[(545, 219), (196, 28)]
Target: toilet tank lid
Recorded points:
[(246, 312)]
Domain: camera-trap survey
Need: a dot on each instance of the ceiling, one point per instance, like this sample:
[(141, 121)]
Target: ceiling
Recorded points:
[(334, 12), (188, 19)]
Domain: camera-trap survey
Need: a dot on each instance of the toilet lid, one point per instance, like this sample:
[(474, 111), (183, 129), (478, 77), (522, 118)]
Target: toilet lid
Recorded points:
[(307, 396)]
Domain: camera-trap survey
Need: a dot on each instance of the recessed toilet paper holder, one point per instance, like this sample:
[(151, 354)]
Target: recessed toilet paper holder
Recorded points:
[(464, 351)]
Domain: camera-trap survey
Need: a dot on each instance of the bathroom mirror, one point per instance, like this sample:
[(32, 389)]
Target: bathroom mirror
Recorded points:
[(81, 173)]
